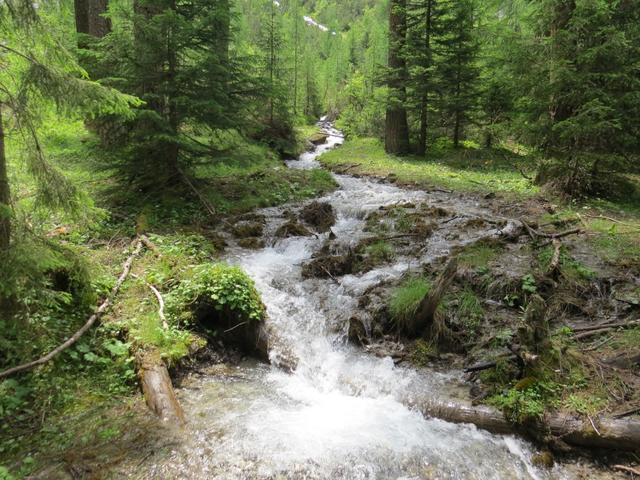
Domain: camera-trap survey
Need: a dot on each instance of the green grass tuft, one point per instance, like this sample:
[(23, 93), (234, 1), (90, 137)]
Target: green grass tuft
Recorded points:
[(405, 301)]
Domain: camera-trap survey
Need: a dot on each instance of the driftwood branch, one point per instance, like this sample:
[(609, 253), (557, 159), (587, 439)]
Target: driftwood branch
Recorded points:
[(535, 234), (126, 269), (158, 390), (161, 314)]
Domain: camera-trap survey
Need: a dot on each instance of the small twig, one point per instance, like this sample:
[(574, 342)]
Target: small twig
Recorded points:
[(594, 425), (613, 220), (237, 326), (627, 413)]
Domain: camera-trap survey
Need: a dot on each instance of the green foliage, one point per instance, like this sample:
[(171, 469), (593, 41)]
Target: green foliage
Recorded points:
[(422, 353), (225, 288), (479, 255), (470, 310), (522, 405), (380, 252), (405, 300)]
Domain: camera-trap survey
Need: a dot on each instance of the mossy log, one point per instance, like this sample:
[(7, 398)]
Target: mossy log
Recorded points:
[(158, 389), (615, 434)]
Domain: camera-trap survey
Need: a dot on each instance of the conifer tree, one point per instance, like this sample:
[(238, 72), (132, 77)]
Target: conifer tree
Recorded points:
[(38, 69), (396, 125), (457, 50), (581, 107), (421, 32)]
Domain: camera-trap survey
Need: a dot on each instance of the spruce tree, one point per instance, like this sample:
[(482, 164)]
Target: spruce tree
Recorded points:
[(396, 125), (582, 103), (457, 50), (421, 32)]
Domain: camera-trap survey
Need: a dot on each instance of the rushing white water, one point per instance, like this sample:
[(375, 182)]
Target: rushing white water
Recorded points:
[(341, 414)]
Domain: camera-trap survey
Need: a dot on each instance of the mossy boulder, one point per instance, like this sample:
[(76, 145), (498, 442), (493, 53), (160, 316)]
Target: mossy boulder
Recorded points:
[(293, 229), (251, 243), (319, 215), (246, 229), (318, 138)]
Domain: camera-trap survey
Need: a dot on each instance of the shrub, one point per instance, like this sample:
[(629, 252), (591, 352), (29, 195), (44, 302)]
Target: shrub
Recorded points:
[(225, 288)]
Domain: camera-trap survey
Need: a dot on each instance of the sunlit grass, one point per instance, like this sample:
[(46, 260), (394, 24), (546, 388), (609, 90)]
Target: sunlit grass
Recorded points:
[(467, 169)]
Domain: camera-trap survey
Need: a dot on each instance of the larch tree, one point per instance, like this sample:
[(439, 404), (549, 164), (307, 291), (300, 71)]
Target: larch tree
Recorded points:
[(396, 123)]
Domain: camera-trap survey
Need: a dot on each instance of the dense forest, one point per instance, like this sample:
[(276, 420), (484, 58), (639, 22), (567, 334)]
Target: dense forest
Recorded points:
[(362, 197)]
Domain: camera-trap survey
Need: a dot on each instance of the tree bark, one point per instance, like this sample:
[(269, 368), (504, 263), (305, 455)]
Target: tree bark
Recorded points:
[(5, 194), (396, 125), (90, 18), (610, 434), (424, 101), (158, 389), (427, 310)]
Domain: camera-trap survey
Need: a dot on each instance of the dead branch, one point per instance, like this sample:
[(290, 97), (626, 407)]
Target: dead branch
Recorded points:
[(554, 266), (150, 245), (630, 470), (613, 220), (206, 203), (627, 413), (535, 234), (126, 269), (155, 291)]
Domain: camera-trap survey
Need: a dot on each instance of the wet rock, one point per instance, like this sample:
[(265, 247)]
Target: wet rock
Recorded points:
[(319, 138), (292, 229), (357, 332), (328, 266), (388, 348), (543, 460), (319, 215), (246, 229), (251, 243)]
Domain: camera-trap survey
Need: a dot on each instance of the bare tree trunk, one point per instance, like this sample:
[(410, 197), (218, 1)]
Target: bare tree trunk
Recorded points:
[(397, 127), (424, 101), (5, 194), (81, 8)]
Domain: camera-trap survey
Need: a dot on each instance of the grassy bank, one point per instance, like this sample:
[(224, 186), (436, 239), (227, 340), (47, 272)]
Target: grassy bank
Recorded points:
[(468, 169)]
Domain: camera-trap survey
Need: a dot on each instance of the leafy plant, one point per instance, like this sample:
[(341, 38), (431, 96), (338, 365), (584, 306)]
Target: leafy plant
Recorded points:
[(225, 287)]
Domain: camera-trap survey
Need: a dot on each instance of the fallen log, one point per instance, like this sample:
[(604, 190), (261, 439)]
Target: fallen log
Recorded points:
[(611, 433), (158, 389), (106, 304)]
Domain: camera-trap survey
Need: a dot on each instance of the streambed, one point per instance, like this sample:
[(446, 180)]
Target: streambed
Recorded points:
[(340, 413)]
